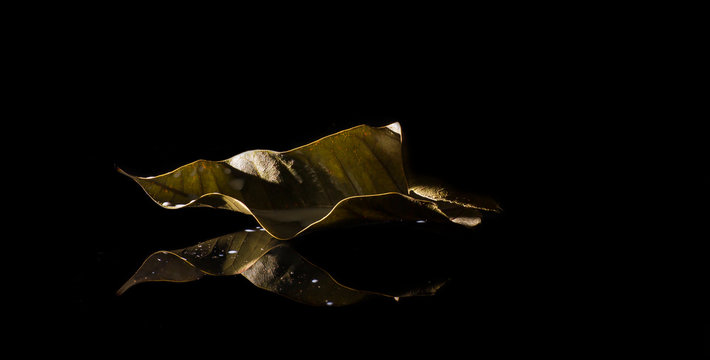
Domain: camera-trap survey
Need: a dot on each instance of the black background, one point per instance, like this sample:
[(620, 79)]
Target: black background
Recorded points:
[(498, 110)]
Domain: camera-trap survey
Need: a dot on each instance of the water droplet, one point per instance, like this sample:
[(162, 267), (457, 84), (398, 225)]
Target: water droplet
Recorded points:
[(220, 255), (249, 230), (421, 221), (232, 252), (314, 281), (329, 303), (159, 259)]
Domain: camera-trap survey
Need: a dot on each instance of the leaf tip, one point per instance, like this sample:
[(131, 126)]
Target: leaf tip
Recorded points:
[(395, 127), (120, 171), (493, 206), (125, 287)]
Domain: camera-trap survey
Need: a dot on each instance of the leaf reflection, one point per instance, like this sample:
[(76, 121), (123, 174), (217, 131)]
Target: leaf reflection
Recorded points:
[(265, 261)]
